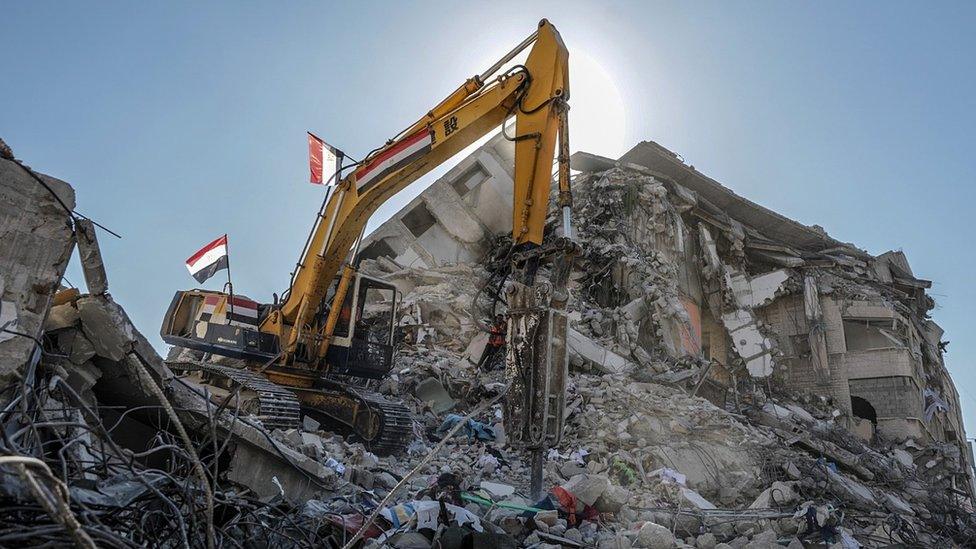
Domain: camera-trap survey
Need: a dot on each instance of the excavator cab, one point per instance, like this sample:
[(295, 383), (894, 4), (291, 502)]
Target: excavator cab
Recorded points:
[(227, 325), (362, 343)]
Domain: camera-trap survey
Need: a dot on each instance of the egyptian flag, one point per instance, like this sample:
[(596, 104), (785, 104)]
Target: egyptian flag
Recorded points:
[(322, 161), (242, 311), (208, 260), (237, 310), (392, 159)]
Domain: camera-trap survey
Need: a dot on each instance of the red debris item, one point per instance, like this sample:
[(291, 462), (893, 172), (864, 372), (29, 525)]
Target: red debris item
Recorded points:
[(497, 337), (569, 504), (353, 522)]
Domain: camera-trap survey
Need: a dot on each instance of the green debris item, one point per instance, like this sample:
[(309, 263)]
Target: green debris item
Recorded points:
[(624, 472)]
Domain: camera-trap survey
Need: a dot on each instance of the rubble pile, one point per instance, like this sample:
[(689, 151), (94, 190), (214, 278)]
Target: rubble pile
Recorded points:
[(628, 274), (694, 418), (437, 304), (82, 472)]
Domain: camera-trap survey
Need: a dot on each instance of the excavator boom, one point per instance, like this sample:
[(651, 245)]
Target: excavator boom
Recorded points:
[(534, 93), (319, 328)]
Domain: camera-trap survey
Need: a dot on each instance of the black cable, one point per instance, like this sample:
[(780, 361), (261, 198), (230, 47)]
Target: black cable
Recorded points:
[(71, 213), (97, 224), (44, 184)]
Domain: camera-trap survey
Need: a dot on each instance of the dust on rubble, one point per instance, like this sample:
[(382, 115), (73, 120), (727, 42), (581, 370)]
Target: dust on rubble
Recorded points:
[(105, 445)]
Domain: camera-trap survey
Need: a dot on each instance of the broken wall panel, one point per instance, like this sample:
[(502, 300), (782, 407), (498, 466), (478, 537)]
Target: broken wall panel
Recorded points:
[(849, 316), (36, 241), (451, 221)]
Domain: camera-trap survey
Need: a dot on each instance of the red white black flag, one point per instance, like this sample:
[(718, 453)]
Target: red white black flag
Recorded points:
[(322, 161), (208, 260), (392, 159)]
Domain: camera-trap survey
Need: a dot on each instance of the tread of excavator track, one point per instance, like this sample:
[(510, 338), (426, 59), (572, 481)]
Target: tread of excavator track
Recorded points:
[(397, 429), (279, 408)]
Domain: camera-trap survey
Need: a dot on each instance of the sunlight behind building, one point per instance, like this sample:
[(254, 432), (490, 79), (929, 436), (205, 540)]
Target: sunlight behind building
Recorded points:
[(597, 119)]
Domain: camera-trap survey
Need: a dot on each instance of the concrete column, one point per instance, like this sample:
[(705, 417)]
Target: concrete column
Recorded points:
[(91, 257), (818, 329)]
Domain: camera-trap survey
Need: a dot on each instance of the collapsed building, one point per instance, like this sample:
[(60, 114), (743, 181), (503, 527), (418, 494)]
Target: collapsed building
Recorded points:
[(737, 379), (750, 287)]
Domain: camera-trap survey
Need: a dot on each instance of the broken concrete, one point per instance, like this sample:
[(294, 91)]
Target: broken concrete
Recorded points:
[(36, 240), (91, 257), (684, 290), (841, 295)]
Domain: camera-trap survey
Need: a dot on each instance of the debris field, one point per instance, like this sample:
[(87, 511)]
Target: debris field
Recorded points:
[(736, 379)]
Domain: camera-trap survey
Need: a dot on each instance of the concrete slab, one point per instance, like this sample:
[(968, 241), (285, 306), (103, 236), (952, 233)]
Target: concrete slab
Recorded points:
[(758, 290), (36, 241), (605, 359)]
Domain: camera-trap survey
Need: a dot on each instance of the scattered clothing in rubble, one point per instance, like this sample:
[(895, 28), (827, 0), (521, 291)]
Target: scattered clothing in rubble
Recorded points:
[(472, 429), (660, 436), (446, 487), (428, 515), (568, 505)]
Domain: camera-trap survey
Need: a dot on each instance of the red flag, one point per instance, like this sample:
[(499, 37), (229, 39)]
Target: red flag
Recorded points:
[(322, 161)]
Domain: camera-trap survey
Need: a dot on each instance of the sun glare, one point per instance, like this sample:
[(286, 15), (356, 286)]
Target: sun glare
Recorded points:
[(597, 122)]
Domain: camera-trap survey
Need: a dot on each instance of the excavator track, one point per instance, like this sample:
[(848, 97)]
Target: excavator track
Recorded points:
[(278, 407), (386, 427), (397, 423)]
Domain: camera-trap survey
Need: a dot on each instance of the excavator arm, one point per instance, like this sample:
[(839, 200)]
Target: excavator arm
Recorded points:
[(290, 347), (534, 93)]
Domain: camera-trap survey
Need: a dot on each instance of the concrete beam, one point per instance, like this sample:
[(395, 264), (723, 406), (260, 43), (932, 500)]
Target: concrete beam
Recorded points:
[(91, 258)]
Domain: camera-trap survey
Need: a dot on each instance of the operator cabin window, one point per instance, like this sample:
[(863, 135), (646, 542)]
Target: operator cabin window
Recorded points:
[(374, 317), (418, 220)]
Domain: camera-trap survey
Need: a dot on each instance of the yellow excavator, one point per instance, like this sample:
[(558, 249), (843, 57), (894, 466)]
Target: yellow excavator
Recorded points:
[(310, 352)]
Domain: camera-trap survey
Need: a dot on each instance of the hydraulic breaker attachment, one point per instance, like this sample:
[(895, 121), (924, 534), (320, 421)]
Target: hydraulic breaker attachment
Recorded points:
[(536, 364), (537, 357)]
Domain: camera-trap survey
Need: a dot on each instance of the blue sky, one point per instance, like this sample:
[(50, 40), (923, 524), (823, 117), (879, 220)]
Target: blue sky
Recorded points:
[(178, 122)]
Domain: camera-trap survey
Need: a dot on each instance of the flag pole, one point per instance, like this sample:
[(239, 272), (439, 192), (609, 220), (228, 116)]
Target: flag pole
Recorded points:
[(229, 285), (338, 173), (338, 206)]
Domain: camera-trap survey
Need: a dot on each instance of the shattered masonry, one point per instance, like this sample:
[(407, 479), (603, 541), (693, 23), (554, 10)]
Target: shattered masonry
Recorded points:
[(726, 278), (737, 380)]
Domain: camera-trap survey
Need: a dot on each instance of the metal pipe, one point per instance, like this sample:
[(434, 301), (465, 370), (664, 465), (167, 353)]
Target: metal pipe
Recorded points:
[(565, 192), (535, 474), (355, 248), (508, 57)]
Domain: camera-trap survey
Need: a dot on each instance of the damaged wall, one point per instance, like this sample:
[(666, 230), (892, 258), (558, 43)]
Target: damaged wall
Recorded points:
[(686, 265), (36, 240), (803, 310), (452, 220)]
